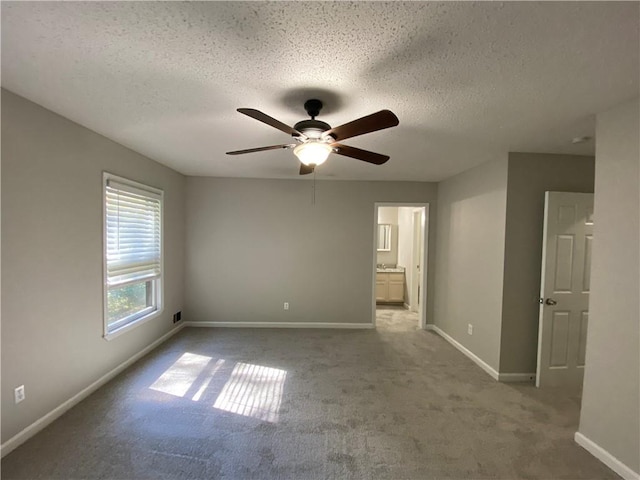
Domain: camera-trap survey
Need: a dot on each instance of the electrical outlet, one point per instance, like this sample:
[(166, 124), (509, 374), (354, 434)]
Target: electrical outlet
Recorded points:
[(286, 305), (470, 329), (19, 394)]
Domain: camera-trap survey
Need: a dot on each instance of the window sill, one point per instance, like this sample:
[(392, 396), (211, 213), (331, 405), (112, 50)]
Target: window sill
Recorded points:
[(130, 326)]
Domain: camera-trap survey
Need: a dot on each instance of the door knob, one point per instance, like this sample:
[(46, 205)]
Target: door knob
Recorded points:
[(550, 301)]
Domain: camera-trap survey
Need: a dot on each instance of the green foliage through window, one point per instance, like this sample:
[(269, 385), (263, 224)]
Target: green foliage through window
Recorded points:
[(126, 300)]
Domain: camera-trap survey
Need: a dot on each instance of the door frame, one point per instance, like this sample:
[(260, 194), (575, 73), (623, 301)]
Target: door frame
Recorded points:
[(422, 314), (417, 233)]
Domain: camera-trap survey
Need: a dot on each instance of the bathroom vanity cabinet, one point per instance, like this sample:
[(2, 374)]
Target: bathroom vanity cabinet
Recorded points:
[(389, 287)]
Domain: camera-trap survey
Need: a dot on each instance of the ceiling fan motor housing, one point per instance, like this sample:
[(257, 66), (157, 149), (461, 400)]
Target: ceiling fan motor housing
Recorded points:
[(312, 128)]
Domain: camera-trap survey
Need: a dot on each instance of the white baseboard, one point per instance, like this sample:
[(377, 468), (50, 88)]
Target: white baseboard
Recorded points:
[(481, 363), (516, 377), (278, 325), (501, 377), (605, 457), (24, 435)]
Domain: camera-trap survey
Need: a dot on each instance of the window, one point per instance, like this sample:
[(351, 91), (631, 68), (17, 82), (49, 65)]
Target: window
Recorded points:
[(132, 253)]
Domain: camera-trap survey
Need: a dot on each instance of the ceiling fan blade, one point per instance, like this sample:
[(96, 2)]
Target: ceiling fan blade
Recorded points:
[(371, 123), (358, 153), (260, 149), (264, 118), (305, 169)]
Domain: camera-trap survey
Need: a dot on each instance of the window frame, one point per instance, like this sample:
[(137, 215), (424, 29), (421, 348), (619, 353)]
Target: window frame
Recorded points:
[(157, 289)]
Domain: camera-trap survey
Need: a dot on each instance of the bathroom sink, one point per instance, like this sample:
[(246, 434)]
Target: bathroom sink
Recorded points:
[(390, 269)]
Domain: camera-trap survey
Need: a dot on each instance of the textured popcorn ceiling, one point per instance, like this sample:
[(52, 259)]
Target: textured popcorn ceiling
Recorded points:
[(468, 81)]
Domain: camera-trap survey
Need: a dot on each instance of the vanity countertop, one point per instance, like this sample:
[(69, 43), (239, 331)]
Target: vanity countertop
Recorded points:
[(390, 270)]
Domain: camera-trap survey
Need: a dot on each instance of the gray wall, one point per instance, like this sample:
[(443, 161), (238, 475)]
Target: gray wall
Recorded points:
[(530, 175), (253, 244), (470, 258), (610, 414), (388, 215), (52, 258)]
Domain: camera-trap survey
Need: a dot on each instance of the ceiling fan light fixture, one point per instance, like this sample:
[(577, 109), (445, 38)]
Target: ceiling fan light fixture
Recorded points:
[(312, 153)]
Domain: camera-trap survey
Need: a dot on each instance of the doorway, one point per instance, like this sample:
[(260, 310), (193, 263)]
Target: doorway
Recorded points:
[(399, 266)]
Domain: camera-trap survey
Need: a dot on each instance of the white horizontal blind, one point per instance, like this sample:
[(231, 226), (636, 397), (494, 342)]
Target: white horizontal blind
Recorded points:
[(133, 226)]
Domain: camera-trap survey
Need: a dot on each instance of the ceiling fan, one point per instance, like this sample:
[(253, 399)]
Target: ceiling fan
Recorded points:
[(315, 140)]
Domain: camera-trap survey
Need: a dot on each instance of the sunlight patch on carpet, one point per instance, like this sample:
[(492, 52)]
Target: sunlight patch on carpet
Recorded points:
[(253, 391), (179, 377), (218, 365)]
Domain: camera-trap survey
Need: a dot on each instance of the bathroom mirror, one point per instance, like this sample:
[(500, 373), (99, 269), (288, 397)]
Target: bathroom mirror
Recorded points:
[(384, 237)]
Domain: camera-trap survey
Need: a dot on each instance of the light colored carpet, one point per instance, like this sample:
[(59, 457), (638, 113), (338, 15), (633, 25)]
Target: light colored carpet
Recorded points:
[(392, 403), (396, 319)]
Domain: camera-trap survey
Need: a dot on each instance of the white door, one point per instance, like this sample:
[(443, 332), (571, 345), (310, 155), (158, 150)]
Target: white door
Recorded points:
[(564, 290)]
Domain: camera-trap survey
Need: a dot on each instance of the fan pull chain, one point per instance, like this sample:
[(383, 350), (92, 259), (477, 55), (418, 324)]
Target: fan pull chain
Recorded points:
[(313, 200)]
